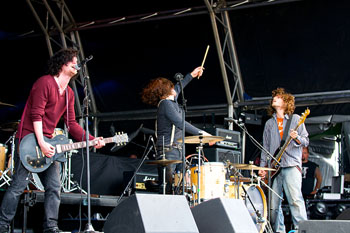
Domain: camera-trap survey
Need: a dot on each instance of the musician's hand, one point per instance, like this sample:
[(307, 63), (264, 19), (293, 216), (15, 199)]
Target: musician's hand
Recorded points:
[(262, 173), (293, 134), (197, 72), (47, 149), (100, 143)]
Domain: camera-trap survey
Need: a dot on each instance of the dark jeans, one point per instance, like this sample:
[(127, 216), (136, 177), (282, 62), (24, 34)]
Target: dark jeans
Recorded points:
[(174, 154), (50, 179)]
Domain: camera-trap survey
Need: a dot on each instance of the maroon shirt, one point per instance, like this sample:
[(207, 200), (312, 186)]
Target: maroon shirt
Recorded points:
[(47, 105)]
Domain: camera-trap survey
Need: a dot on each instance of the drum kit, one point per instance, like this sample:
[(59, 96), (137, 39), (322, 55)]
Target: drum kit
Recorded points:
[(208, 180)]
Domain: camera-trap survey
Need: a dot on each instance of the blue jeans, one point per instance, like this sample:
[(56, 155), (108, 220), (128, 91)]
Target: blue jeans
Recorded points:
[(288, 180), (50, 179)]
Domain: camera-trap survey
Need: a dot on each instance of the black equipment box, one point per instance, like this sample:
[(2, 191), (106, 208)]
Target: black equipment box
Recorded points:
[(222, 155), (143, 181), (232, 139)]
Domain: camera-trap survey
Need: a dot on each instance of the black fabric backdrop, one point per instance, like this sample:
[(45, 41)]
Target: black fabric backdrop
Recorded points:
[(106, 172)]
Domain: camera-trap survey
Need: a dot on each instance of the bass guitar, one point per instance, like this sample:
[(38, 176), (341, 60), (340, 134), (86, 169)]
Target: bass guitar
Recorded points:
[(35, 161), (279, 152)]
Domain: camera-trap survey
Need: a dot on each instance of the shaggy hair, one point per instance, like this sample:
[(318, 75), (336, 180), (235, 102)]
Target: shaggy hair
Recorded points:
[(287, 98), (156, 89), (62, 57)]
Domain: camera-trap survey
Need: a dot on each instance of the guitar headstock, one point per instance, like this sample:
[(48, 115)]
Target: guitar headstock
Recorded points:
[(303, 116), (121, 138)]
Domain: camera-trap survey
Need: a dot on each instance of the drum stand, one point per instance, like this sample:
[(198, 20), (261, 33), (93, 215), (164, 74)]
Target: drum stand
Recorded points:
[(66, 181), (200, 150)]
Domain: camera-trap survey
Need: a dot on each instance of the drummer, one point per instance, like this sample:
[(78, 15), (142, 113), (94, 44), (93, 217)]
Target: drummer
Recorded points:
[(162, 93)]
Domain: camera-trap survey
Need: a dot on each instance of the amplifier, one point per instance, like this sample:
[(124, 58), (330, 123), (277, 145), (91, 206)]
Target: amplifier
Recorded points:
[(222, 155), (232, 139), (142, 182)]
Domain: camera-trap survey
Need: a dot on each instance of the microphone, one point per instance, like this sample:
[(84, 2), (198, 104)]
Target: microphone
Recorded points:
[(83, 62), (178, 77)]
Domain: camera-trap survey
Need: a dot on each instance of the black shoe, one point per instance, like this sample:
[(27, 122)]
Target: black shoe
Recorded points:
[(4, 229), (52, 230)]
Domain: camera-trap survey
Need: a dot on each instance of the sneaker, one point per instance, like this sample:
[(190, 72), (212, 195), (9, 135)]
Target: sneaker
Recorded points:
[(52, 230), (4, 229)]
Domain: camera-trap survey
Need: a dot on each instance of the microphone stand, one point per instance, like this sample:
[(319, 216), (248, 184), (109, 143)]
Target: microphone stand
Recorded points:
[(184, 109), (88, 227), (127, 188)]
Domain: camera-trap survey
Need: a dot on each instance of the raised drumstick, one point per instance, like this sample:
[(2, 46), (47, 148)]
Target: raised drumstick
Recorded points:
[(205, 56)]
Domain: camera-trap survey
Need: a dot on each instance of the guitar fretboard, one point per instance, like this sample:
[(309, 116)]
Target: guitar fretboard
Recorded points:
[(78, 145)]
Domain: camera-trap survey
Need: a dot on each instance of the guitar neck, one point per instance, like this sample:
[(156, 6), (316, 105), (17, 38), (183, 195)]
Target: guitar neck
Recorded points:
[(280, 153), (79, 145)]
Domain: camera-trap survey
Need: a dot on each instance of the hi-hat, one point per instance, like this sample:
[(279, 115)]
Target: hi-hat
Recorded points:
[(9, 127), (251, 167), (11, 105), (163, 162), (201, 139)]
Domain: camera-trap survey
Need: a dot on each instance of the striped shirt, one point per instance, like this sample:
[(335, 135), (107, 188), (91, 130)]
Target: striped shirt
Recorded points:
[(272, 140)]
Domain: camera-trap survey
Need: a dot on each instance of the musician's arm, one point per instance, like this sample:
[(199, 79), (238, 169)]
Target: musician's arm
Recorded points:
[(47, 149)]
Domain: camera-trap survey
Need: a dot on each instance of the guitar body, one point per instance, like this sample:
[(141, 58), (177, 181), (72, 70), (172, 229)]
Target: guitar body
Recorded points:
[(35, 161), (31, 156)]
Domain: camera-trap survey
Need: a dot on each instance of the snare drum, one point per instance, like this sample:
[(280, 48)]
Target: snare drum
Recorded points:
[(212, 180)]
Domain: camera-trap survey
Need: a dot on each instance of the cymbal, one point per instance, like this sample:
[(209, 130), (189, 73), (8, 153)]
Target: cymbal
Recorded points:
[(251, 167), (199, 139), (11, 105), (163, 162), (9, 127)]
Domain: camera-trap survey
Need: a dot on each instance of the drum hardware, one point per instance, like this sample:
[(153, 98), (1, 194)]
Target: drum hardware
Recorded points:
[(5, 174), (200, 140), (66, 179)]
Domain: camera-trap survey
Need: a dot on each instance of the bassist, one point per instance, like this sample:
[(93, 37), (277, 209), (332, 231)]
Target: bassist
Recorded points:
[(289, 178)]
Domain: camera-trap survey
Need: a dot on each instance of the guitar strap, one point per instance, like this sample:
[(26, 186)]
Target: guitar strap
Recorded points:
[(286, 130)]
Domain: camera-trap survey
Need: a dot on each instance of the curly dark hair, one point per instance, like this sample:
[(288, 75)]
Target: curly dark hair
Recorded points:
[(155, 90), (287, 98), (60, 58)]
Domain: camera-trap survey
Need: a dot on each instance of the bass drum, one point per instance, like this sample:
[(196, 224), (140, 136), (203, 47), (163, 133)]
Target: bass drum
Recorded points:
[(258, 199)]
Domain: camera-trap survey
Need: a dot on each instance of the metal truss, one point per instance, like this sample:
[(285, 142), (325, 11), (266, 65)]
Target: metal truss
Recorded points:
[(56, 23)]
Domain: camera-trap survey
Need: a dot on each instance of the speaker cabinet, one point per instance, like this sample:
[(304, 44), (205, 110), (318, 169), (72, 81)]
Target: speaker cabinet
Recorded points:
[(222, 215), (222, 155), (151, 213), (324, 226)]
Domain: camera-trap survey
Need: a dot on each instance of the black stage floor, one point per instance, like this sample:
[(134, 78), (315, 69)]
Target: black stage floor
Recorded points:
[(73, 211)]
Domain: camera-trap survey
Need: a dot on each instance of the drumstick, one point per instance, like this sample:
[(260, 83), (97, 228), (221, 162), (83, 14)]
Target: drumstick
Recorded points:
[(205, 56)]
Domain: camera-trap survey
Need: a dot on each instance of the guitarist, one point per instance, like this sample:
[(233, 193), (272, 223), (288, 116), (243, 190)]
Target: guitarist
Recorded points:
[(50, 99), (289, 178)]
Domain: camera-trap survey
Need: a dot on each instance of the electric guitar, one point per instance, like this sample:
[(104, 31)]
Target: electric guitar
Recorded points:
[(279, 152), (35, 161)]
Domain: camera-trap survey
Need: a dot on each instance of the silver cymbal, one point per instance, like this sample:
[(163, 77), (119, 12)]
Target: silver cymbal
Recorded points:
[(201, 139)]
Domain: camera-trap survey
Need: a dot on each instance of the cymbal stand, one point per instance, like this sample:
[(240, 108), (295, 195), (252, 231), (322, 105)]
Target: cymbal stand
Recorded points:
[(164, 170), (200, 149)]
